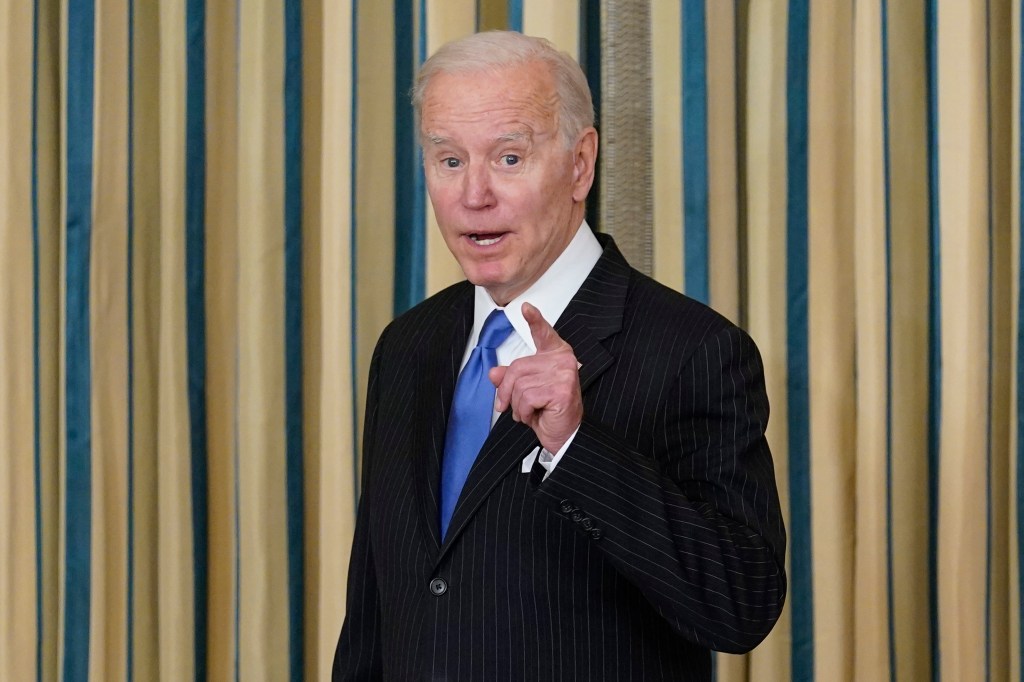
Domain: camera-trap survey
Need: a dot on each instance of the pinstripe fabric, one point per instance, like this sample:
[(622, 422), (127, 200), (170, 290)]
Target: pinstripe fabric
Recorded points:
[(659, 534)]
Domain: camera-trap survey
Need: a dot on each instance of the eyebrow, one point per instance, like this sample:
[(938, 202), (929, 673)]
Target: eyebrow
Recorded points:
[(513, 136)]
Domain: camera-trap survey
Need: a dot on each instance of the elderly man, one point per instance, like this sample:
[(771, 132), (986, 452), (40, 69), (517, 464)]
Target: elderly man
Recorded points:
[(565, 471)]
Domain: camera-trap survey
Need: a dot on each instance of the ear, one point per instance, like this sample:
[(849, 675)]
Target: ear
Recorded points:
[(584, 162)]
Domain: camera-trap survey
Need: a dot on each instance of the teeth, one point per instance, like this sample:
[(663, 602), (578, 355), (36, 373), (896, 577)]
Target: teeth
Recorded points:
[(485, 242)]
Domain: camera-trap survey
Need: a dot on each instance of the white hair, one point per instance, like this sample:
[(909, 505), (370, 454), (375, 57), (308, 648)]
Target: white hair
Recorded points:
[(494, 50)]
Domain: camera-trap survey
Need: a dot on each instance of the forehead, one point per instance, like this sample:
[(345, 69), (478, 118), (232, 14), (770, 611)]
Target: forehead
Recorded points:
[(519, 96)]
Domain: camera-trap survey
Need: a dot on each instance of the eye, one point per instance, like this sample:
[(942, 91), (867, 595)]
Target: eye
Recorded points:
[(510, 159), (450, 162)]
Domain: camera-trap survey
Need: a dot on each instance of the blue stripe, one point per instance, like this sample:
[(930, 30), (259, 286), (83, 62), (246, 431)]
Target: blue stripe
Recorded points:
[(515, 15), (195, 275), (130, 606), (935, 330), (798, 343), (410, 219), (886, 150), (36, 381), (81, 17), (293, 328), (354, 267), (695, 150)]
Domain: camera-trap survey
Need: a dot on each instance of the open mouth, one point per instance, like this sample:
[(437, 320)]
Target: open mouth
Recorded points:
[(486, 238)]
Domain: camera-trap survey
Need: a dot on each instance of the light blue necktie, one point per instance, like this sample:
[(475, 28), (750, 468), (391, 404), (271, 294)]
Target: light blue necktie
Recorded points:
[(470, 420)]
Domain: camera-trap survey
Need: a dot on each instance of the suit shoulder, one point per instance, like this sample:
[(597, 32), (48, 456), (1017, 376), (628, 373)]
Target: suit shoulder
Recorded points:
[(652, 303)]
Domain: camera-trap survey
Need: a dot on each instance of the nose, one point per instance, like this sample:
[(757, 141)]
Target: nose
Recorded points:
[(476, 188)]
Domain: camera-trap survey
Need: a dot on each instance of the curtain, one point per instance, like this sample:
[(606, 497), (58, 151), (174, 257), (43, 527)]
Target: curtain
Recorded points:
[(209, 211)]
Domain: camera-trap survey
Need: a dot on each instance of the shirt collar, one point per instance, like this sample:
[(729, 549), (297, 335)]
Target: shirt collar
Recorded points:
[(551, 293)]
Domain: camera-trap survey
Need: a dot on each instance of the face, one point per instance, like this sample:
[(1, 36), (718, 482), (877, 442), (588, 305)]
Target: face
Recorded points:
[(506, 189)]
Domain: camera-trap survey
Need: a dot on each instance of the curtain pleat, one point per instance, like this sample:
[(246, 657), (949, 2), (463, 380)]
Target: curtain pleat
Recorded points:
[(209, 212)]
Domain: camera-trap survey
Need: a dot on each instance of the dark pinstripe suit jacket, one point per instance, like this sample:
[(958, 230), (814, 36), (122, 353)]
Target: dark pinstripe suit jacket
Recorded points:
[(657, 537)]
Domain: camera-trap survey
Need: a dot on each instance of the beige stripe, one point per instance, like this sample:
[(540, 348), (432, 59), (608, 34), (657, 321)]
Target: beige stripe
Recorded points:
[(1000, 126), (375, 178), (263, 649), (222, 254), (766, 211), (831, 333), (174, 520), (963, 209), (446, 20), (908, 159), (723, 228), (492, 15), (17, 465), (147, 312), (109, 347), (329, 481), (667, 149), (556, 20), (870, 577)]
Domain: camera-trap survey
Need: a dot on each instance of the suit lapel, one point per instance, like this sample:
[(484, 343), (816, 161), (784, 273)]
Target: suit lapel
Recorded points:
[(594, 314), (437, 385)]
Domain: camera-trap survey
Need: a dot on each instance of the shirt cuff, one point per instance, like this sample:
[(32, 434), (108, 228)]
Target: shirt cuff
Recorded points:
[(550, 461)]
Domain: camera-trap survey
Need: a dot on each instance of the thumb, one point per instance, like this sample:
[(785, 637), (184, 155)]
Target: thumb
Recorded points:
[(497, 374)]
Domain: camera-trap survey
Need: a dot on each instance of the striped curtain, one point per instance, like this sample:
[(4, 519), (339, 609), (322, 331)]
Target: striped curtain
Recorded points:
[(208, 212)]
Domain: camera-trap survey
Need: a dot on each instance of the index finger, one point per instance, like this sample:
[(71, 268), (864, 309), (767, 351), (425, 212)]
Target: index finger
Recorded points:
[(545, 338)]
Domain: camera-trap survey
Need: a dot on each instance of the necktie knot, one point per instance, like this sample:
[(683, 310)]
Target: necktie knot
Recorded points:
[(495, 330)]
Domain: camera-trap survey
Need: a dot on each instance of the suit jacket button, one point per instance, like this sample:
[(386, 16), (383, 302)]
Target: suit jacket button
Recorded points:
[(596, 533), (586, 524), (567, 506), (438, 587), (577, 516)]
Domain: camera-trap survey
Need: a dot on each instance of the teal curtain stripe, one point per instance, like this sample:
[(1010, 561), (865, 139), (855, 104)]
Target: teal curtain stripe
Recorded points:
[(130, 398), (798, 342), (195, 303), (515, 15), (293, 332), (410, 218), (695, 150), (81, 17), (887, 152), (935, 331), (36, 341)]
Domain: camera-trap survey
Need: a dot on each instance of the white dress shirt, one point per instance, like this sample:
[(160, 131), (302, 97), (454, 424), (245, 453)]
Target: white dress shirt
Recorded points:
[(550, 294)]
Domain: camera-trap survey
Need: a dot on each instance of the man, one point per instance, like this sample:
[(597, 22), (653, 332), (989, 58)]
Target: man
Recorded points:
[(620, 518)]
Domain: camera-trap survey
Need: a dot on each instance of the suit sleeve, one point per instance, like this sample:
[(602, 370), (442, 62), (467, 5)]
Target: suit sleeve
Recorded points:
[(695, 523), (358, 654)]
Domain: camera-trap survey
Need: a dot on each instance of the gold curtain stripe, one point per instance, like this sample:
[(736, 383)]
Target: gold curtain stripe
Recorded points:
[(963, 215), (446, 21), (17, 464), (723, 214), (175, 621), (108, 307), (263, 649), (870, 578), (556, 20), (667, 147), (831, 336)]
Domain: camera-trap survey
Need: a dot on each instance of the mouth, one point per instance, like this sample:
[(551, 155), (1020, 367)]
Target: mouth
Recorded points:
[(486, 238)]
